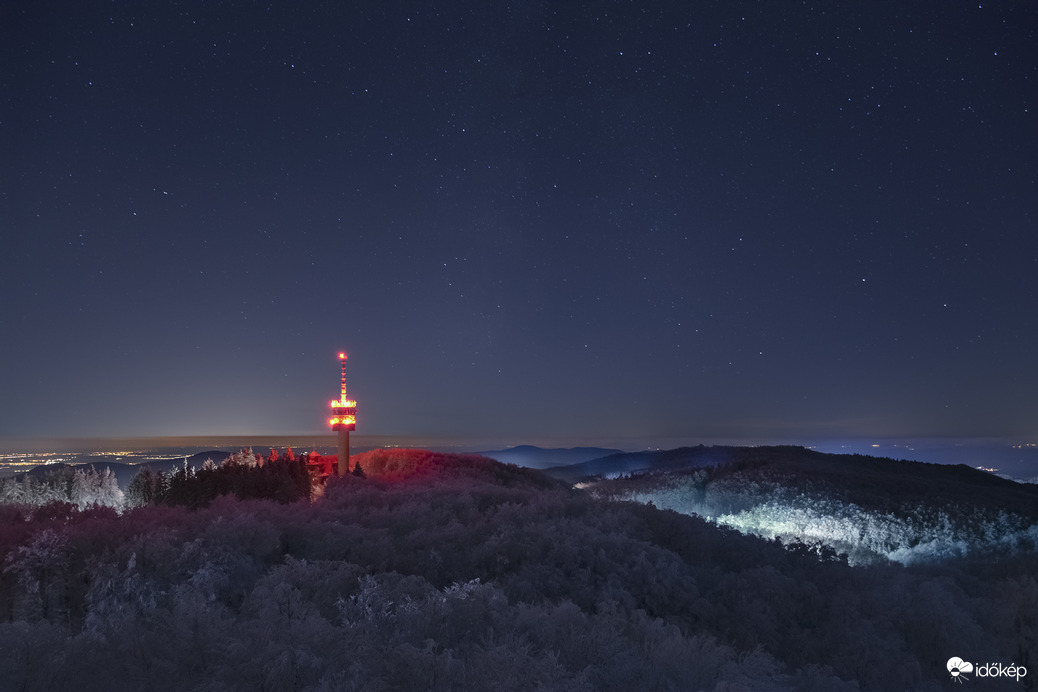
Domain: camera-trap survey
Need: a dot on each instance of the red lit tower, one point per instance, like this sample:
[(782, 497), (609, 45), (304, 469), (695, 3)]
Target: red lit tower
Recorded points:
[(343, 420)]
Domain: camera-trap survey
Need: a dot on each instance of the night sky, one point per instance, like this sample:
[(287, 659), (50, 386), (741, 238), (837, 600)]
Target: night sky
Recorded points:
[(539, 220)]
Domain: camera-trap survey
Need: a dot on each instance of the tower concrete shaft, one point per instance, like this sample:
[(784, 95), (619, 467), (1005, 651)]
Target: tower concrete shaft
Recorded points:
[(343, 466)]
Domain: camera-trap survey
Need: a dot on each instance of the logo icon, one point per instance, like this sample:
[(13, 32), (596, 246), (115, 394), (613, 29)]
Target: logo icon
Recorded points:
[(957, 667)]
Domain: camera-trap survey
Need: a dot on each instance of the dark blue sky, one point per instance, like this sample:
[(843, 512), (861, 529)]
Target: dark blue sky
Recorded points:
[(600, 220)]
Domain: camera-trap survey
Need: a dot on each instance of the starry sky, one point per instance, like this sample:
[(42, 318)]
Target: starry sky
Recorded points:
[(530, 220)]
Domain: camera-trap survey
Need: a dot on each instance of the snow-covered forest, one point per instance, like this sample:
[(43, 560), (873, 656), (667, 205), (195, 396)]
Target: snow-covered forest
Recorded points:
[(864, 509), (915, 533), (244, 474), (442, 572), (83, 487)]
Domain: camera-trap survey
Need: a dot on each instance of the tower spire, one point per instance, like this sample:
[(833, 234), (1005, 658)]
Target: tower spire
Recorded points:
[(342, 390)]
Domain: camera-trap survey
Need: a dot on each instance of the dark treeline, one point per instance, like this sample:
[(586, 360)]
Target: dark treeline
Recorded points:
[(282, 480), (436, 572)]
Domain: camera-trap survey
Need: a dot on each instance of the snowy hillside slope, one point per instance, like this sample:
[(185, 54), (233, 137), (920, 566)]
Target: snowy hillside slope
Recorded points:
[(866, 508)]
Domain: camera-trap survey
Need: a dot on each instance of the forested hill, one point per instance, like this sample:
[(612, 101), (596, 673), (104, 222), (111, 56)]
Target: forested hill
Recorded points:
[(442, 572), (861, 506), (621, 463), (877, 482), (419, 464)]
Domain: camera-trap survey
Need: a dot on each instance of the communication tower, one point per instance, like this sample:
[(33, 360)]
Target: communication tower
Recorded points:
[(343, 420)]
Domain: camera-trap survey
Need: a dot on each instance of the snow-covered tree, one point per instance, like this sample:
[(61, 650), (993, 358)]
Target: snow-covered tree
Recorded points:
[(92, 487)]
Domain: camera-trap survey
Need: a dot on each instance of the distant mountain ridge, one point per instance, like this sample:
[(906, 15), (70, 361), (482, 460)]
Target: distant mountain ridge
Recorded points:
[(618, 462), (542, 458)]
